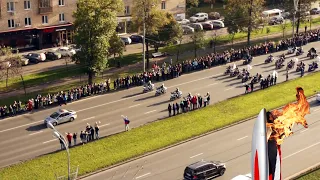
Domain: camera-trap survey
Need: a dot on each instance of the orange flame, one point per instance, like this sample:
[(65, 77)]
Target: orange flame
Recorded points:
[(282, 122)]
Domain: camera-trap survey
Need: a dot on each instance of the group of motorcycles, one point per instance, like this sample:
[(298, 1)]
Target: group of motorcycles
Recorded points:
[(177, 94), (244, 75)]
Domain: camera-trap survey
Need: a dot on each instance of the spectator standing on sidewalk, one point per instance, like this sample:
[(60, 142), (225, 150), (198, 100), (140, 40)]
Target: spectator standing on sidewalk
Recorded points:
[(96, 128), (177, 107), (69, 137), (169, 109), (75, 138), (174, 109), (92, 133), (208, 98), (287, 75), (61, 143), (126, 122), (82, 137)]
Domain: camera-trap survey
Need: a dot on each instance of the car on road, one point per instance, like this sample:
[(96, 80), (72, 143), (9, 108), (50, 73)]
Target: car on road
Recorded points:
[(187, 29), (184, 21), (50, 55), (126, 40), (203, 170), (199, 17), (136, 38), (315, 10), (276, 20), (243, 177), (66, 51), (61, 116), (35, 57)]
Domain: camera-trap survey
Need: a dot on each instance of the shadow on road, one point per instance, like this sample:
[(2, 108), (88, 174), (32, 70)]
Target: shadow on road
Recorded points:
[(159, 103), (266, 67), (36, 127), (145, 98), (131, 95), (314, 103), (232, 79)]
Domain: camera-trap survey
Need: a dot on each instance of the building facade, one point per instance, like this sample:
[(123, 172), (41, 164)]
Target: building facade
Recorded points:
[(37, 24)]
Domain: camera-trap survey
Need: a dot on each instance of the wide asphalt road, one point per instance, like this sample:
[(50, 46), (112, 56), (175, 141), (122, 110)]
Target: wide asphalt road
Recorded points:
[(231, 146), (25, 136)]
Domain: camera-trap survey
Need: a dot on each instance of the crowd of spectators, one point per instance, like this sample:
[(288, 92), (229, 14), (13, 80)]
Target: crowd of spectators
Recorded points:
[(157, 73)]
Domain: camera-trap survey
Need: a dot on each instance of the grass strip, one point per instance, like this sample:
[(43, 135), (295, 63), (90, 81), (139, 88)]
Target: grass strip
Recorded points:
[(120, 147)]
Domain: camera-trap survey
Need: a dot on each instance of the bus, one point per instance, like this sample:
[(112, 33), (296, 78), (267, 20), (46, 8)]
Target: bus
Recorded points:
[(272, 13)]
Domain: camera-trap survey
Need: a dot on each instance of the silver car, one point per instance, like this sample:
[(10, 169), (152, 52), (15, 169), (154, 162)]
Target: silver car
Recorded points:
[(61, 116)]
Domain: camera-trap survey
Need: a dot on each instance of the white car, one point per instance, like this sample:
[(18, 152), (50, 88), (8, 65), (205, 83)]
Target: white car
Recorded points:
[(217, 23), (199, 17), (61, 116), (318, 97), (66, 51), (126, 40), (187, 29), (184, 21), (24, 61)]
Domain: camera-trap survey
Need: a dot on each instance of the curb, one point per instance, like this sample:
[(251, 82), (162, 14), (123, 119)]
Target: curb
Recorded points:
[(304, 172), (179, 143)]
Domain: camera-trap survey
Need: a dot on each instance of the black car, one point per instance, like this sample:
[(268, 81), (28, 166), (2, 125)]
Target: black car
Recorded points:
[(33, 58), (204, 170), (136, 38), (52, 55)]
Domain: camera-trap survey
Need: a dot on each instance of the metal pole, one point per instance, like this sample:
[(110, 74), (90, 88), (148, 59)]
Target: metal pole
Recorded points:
[(144, 38), (67, 149), (294, 14)]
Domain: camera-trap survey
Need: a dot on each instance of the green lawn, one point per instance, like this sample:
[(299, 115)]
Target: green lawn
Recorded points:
[(108, 151), (313, 175)]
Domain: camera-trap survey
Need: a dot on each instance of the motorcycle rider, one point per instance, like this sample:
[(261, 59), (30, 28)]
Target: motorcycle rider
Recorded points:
[(300, 49)]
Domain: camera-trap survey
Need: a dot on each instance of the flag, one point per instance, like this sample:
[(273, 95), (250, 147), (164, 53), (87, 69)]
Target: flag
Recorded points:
[(275, 73), (234, 66)]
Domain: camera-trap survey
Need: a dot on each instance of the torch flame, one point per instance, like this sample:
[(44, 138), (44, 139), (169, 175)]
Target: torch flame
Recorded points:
[(283, 121)]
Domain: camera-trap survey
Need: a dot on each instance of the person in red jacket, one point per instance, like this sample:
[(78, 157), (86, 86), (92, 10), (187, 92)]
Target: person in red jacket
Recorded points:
[(69, 137)]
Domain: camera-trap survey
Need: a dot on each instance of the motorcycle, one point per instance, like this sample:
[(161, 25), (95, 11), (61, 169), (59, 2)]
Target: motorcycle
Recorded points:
[(269, 60), (312, 55), (148, 88), (228, 71), (245, 79), (279, 63), (161, 90), (247, 60), (290, 65), (312, 67), (299, 52), (291, 50), (299, 67), (234, 73), (175, 95)]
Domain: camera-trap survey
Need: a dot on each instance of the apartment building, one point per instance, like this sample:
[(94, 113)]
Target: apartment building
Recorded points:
[(29, 24), (38, 24)]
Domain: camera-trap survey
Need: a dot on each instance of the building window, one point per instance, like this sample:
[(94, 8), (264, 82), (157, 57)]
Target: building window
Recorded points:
[(44, 19), (61, 2), (127, 10), (61, 17), (163, 5), (27, 4), (27, 21), (11, 23), (10, 6), (44, 3)]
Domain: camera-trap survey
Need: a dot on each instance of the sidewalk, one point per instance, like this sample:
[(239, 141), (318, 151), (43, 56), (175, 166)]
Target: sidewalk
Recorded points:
[(139, 65)]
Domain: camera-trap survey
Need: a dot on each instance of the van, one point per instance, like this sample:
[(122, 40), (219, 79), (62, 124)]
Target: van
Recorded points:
[(217, 24)]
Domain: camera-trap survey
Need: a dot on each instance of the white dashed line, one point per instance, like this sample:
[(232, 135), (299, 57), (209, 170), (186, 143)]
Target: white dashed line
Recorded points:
[(212, 84), (304, 131), (150, 112), (35, 133), (49, 141), (143, 175), (105, 125), (242, 138), (134, 105), (88, 118), (196, 155), (301, 150), (229, 89)]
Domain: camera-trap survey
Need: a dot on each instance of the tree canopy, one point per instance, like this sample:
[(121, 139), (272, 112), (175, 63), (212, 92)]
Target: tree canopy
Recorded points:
[(95, 23)]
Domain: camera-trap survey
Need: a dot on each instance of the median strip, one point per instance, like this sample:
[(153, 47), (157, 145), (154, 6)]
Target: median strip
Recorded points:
[(150, 137)]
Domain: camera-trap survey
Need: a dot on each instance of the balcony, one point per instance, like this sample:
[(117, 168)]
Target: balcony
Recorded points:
[(45, 10)]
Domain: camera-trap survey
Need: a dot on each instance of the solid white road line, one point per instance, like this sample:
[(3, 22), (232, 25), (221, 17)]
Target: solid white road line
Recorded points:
[(242, 138), (304, 131), (35, 133), (105, 125), (88, 118), (150, 112), (49, 141), (316, 109), (212, 84), (143, 175), (196, 155), (229, 89), (301, 150), (134, 105)]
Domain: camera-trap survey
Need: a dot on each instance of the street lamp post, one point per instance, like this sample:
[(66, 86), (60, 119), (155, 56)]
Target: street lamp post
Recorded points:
[(144, 37), (295, 4), (59, 136)]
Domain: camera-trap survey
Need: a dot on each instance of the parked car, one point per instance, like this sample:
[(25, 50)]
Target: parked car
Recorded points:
[(276, 20), (24, 61), (214, 15), (126, 40), (184, 21), (315, 11), (61, 116), (66, 51), (217, 23), (136, 38), (53, 55), (286, 15), (204, 170), (199, 17), (33, 57), (207, 26), (196, 26), (187, 29)]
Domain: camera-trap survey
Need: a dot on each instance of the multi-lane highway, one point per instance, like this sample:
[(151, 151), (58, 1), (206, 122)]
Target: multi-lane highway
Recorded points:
[(25, 136), (231, 146)]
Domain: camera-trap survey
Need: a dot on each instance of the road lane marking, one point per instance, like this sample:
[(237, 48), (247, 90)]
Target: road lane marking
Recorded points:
[(88, 118), (105, 125), (49, 141), (304, 130), (229, 89), (316, 109), (212, 84), (35, 133), (150, 112), (134, 105), (143, 175), (242, 138), (196, 155), (301, 150), (19, 126)]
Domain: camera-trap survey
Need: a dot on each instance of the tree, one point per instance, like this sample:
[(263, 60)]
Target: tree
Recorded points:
[(247, 13), (95, 23), (116, 46), (178, 38), (148, 12), (192, 3), (198, 41)]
